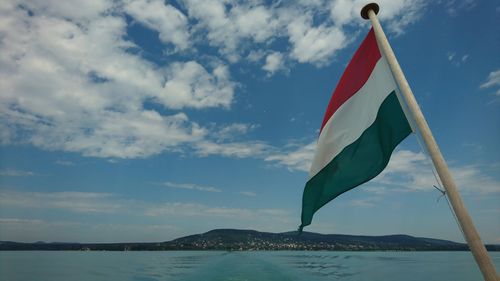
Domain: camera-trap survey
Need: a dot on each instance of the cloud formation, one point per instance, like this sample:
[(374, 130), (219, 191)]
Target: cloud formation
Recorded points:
[(73, 79), (406, 171), (170, 23), (111, 204), (16, 173), (79, 202), (493, 81), (294, 158), (274, 62), (191, 186), (457, 60), (73, 85), (412, 171)]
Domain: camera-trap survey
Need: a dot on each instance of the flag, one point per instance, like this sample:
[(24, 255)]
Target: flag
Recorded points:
[(363, 124)]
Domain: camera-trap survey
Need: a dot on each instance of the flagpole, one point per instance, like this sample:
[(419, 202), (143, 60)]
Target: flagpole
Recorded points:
[(470, 233)]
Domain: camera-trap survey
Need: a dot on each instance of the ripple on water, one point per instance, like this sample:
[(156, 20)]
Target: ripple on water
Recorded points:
[(239, 266)]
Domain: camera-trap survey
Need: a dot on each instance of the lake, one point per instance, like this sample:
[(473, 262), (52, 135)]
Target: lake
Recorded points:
[(238, 266)]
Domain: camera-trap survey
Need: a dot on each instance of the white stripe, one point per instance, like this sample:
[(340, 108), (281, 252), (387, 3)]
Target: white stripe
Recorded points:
[(353, 117)]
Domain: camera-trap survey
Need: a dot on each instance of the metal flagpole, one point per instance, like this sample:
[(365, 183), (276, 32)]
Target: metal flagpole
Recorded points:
[(465, 222)]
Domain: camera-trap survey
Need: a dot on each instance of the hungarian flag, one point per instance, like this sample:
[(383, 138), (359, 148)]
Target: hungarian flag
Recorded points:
[(363, 124)]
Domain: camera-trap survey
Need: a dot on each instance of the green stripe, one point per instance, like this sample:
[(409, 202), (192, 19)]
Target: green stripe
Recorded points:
[(358, 162)]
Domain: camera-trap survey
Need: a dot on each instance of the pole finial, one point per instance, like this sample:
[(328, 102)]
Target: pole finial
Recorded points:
[(371, 6)]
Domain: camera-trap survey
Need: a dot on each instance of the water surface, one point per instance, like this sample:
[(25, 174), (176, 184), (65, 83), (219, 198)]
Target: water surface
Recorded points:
[(238, 266)]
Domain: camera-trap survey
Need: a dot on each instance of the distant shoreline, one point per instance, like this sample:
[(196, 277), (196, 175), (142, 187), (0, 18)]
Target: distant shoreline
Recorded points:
[(251, 240), (490, 248)]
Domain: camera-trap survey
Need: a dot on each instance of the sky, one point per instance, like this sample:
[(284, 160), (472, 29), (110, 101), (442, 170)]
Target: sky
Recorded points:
[(149, 120)]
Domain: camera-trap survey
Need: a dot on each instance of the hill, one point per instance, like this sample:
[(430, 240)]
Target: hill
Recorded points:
[(236, 239)]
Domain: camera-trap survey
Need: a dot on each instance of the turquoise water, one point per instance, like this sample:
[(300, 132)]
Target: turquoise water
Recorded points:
[(239, 266)]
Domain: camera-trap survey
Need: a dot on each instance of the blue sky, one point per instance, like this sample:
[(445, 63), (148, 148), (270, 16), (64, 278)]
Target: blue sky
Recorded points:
[(149, 120)]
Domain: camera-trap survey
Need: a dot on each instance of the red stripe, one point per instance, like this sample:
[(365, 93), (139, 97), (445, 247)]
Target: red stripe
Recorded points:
[(355, 75)]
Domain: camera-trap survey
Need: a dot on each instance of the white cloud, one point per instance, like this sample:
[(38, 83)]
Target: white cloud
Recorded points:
[(248, 193), (211, 16), (471, 178), (72, 79), (201, 210), (5, 221), (191, 186), (450, 56), (365, 203), (274, 62), (412, 171), (231, 131), (105, 203), (80, 202), (406, 171), (405, 161), (232, 25), (314, 44), (454, 7), (189, 84), (492, 81), (401, 13), (171, 24), (377, 189), (31, 230), (344, 11), (252, 149), (293, 156), (397, 14), (256, 55), (16, 173), (81, 11), (228, 28), (256, 22), (74, 86), (64, 163), (135, 134), (455, 59), (296, 158)]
